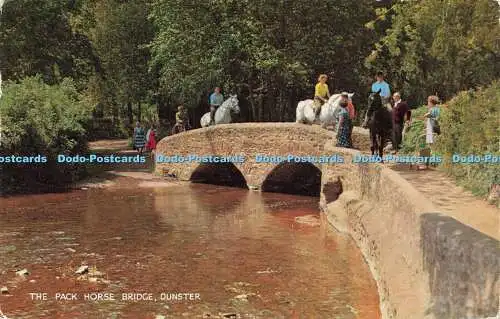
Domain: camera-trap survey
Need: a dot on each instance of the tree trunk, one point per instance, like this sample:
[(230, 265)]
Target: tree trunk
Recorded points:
[(139, 113), (251, 100), (158, 107), (281, 106), (291, 105), (130, 113), (261, 108)]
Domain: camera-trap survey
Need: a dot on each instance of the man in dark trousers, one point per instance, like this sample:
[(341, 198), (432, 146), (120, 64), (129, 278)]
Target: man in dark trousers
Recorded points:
[(400, 110)]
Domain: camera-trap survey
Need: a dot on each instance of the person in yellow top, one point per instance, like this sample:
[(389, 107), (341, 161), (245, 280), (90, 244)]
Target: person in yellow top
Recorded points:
[(321, 93)]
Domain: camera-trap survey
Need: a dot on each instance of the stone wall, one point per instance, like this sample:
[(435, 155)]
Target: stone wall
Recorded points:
[(463, 266), (413, 255)]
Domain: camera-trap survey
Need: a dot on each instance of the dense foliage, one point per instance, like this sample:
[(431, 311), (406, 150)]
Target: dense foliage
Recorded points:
[(119, 32), (270, 52), (36, 37), (41, 119), (414, 137), (470, 125), (439, 47)]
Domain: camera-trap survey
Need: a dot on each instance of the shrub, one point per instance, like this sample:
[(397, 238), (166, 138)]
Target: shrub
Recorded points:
[(41, 119), (470, 125), (413, 139)]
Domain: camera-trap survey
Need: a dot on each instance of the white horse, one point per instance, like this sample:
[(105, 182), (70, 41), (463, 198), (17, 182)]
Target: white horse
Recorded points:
[(223, 112), (328, 114)]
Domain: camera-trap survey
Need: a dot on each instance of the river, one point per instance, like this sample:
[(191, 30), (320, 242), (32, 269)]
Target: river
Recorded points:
[(234, 252)]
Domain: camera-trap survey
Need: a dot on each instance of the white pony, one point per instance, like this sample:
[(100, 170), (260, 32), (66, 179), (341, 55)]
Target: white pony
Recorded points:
[(328, 114), (223, 112)]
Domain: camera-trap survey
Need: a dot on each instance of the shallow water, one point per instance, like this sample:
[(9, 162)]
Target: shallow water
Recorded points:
[(246, 254)]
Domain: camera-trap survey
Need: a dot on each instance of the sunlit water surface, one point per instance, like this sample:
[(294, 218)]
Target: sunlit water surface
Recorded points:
[(243, 252)]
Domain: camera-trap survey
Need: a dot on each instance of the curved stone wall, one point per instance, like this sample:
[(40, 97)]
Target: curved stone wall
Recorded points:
[(426, 265)]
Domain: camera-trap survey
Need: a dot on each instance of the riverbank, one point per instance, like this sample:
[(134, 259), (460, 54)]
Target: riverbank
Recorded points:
[(135, 174)]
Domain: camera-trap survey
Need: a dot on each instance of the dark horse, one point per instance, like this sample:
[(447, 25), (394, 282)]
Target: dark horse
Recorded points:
[(379, 120)]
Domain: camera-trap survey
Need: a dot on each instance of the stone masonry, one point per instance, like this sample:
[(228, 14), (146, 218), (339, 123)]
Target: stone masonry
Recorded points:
[(248, 139)]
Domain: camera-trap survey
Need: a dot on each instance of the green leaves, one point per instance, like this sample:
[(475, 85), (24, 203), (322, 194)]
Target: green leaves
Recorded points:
[(470, 125), (51, 113), (36, 38), (431, 46), (273, 46)]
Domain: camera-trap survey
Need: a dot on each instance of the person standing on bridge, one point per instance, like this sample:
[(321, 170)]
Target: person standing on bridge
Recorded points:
[(400, 110), (321, 93), (216, 100), (344, 126), (350, 109)]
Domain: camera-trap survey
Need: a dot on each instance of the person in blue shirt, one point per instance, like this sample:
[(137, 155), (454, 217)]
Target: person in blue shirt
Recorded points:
[(385, 91), (216, 100)]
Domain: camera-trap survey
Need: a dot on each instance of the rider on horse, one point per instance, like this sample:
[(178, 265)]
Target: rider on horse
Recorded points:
[(181, 118), (216, 100), (321, 93), (385, 91)]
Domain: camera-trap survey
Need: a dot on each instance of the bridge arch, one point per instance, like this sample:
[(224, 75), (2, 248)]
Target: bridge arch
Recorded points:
[(294, 178), (226, 174)]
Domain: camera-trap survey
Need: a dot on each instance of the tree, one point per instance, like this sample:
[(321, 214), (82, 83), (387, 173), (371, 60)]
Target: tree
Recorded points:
[(435, 46), (36, 38), (119, 31), (270, 52)]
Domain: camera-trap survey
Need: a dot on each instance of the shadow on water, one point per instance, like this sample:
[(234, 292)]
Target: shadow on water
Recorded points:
[(287, 178), (223, 174), (294, 178)]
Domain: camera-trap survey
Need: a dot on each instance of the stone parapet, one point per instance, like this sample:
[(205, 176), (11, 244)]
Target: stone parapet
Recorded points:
[(426, 265)]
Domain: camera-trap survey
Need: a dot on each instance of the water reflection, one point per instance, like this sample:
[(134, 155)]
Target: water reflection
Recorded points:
[(243, 251)]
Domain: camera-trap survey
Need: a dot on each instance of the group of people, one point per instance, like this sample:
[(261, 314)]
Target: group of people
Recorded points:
[(182, 117), (147, 141), (401, 115), (401, 112), (144, 141)]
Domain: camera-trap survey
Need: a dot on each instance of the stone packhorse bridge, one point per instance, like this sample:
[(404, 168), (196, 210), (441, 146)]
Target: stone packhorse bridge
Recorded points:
[(251, 140)]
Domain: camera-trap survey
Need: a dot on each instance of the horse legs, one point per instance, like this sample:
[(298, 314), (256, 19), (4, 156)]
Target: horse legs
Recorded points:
[(373, 146), (381, 145)]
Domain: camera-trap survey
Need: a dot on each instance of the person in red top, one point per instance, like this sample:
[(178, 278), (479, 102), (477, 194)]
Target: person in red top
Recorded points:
[(350, 109), (151, 140), (350, 106)]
